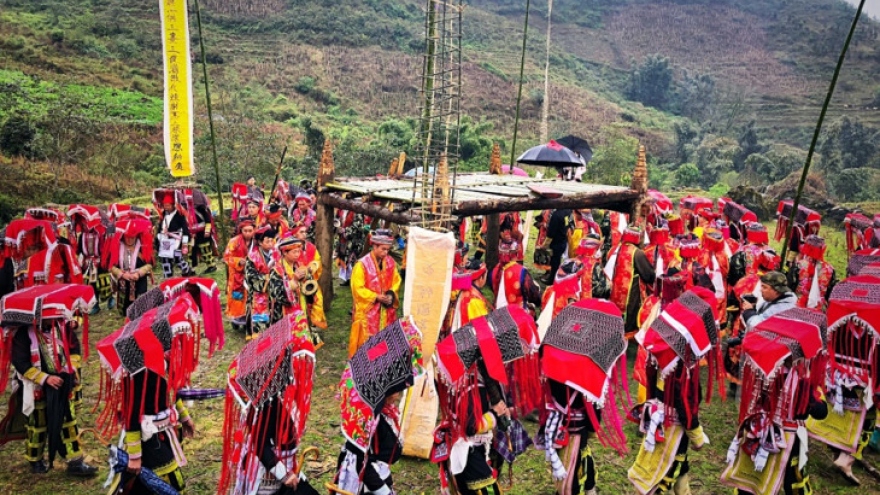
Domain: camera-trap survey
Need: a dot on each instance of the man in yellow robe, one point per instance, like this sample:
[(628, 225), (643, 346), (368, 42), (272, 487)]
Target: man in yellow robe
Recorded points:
[(375, 285)]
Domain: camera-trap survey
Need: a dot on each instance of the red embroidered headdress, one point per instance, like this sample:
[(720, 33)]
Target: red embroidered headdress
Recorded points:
[(33, 306), (854, 331), (163, 340), (387, 363), (584, 348), (206, 295), (689, 247), (857, 226), (85, 217), (814, 247), (659, 236), (506, 335), (756, 233), (860, 259), (806, 221), (684, 333), (25, 233), (676, 225), (588, 248), (662, 204), (632, 235), (276, 370), (792, 340)]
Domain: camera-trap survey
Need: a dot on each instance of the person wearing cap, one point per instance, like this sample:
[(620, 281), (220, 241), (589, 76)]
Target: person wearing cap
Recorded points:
[(286, 284), (260, 262), (303, 212), (511, 282), (173, 237), (276, 221), (631, 274), (776, 297), (235, 257), (812, 277), (375, 285)]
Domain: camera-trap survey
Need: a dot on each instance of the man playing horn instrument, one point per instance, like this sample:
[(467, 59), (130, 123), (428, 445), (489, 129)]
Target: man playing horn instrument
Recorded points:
[(292, 284)]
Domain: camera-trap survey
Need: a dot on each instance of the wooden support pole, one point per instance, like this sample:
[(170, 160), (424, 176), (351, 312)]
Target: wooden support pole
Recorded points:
[(493, 232), (368, 209), (324, 235), (324, 225), (623, 201)]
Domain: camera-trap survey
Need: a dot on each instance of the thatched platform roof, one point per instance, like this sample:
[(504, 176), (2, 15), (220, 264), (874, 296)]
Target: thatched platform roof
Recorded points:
[(473, 194)]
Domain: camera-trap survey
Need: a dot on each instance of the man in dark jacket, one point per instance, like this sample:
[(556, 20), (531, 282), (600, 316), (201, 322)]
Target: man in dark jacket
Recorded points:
[(777, 298), (557, 237)]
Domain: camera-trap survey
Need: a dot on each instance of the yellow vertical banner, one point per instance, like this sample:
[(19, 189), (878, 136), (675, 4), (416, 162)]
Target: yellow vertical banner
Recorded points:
[(178, 123)]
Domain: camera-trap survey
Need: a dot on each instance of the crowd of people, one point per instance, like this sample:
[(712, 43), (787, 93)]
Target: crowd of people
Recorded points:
[(697, 288)]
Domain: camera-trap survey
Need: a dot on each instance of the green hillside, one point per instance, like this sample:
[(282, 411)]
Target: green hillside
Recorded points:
[(746, 79)]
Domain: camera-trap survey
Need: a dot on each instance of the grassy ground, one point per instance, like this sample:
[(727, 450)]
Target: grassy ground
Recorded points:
[(412, 476)]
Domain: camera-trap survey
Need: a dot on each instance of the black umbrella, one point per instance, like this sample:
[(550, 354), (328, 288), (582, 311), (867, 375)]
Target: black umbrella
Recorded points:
[(551, 154), (119, 462), (578, 145), (57, 413)]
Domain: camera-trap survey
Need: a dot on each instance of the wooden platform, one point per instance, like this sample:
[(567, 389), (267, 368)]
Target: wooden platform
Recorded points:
[(474, 194)]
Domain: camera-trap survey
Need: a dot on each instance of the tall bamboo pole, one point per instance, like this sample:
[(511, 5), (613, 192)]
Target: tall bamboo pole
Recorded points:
[(522, 65), (224, 232), (806, 171), (545, 106)]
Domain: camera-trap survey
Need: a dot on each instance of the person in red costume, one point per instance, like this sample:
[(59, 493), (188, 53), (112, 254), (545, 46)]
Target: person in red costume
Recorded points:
[(594, 283), (812, 277), (631, 276), (235, 258), (511, 282)]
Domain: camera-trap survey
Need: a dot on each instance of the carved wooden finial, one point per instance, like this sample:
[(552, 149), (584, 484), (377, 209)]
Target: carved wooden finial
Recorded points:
[(640, 174), (392, 170), (327, 170), (440, 196), (441, 183), (495, 161)]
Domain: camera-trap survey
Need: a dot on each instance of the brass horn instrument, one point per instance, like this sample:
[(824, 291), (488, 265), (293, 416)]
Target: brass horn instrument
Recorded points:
[(310, 286)]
